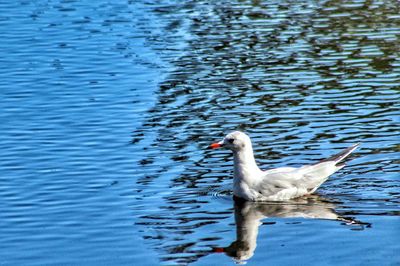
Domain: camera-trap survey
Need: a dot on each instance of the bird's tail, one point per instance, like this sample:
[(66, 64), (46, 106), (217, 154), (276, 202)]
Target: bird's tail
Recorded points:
[(319, 172), (337, 158)]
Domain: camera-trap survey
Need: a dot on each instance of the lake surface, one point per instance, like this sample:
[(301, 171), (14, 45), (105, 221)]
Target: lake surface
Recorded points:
[(107, 108)]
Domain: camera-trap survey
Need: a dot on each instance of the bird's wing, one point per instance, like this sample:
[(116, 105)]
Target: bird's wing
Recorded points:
[(306, 178), (279, 185), (337, 158), (309, 177), (287, 182), (316, 174), (279, 170), (290, 183)]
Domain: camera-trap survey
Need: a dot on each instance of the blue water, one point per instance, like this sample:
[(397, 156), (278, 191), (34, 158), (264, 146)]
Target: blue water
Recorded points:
[(76, 80), (107, 108)]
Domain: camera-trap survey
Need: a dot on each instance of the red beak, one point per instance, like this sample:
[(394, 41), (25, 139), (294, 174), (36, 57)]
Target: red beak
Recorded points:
[(215, 146), (218, 250)]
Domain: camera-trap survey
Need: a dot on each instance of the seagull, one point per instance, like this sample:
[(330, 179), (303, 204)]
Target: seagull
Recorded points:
[(279, 184)]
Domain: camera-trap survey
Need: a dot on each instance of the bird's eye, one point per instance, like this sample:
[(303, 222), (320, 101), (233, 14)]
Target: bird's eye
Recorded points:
[(231, 140)]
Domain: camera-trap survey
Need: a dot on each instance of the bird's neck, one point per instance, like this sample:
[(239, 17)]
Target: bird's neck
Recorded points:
[(245, 168)]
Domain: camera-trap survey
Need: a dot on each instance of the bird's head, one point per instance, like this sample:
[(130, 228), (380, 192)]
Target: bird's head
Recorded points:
[(234, 141)]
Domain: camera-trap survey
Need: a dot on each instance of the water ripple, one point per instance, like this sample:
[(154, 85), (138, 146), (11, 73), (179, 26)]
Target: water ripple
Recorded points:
[(304, 80)]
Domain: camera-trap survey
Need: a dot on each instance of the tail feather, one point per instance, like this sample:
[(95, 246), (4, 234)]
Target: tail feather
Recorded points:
[(318, 173), (337, 158)]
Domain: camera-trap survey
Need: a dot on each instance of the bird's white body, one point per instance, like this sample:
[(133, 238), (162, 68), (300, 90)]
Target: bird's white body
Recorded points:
[(251, 183)]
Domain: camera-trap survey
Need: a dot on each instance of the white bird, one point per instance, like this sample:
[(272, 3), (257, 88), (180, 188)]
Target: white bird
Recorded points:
[(251, 183)]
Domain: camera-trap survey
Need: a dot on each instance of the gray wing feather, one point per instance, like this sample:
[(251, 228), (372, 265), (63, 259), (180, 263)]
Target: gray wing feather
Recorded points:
[(302, 180), (337, 158)]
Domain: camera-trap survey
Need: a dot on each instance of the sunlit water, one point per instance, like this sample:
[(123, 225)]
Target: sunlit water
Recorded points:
[(107, 109)]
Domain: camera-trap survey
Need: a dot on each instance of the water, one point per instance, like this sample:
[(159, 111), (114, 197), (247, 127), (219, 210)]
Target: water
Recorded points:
[(107, 108)]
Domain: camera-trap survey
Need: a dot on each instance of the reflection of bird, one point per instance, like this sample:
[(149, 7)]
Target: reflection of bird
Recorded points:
[(248, 216), (251, 183)]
